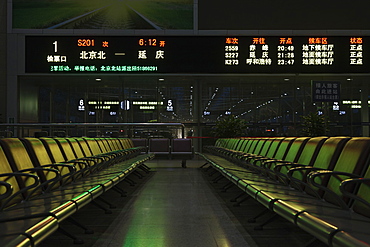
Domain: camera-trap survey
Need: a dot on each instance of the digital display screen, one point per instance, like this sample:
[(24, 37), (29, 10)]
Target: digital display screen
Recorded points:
[(111, 105), (197, 54)]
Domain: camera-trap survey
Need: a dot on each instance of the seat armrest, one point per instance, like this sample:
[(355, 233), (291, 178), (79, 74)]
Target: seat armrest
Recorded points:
[(46, 185), (283, 177), (271, 161), (269, 164), (32, 182), (82, 167), (6, 190), (331, 174), (356, 182), (64, 177)]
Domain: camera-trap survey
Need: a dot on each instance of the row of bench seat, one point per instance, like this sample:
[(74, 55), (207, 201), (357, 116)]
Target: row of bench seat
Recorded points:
[(45, 181), (166, 146), (320, 184)]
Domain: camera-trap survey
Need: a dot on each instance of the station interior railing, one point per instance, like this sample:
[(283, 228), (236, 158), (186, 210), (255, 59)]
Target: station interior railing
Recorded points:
[(129, 130)]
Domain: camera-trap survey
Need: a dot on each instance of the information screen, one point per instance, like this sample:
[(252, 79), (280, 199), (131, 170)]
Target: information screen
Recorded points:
[(197, 54)]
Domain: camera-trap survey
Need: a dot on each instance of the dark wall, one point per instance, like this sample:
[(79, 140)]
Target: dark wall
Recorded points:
[(28, 104), (283, 15)]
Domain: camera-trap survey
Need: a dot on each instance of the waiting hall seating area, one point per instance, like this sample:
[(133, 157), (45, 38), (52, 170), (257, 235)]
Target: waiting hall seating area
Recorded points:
[(178, 148), (44, 181), (319, 184), (166, 146)]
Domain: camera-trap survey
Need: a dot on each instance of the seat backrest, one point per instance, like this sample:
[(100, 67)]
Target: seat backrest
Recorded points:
[(311, 150), (159, 145), (84, 146), (102, 145), (17, 154), (253, 145), (238, 144), (283, 148), (66, 148), (230, 143), (144, 143), (76, 148), (245, 143), (122, 143), (273, 147), (329, 152), (182, 145), (129, 142), (296, 149), (266, 147), (37, 151), (224, 142), (306, 157), (111, 144), (259, 146), (325, 159), (353, 159), (53, 149), (94, 146)]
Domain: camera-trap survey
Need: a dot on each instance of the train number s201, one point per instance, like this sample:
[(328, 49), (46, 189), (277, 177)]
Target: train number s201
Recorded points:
[(85, 42)]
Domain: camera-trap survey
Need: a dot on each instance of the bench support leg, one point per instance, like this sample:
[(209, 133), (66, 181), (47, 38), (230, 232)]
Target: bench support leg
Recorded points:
[(73, 237), (313, 242), (227, 186), (106, 202), (87, 230), (106, 211), (240, 202), (129, 181), (236, 198), (212, 173), (271, 219), (209, 168), (137, 174), (252, 220), (144, 168), (204, 165), (120, 191), (218, 178)]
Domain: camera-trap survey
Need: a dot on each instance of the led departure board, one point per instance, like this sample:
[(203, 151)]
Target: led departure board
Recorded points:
[(197, 54)]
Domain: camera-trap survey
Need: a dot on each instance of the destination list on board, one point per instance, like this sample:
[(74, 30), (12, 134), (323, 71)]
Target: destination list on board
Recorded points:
[(197, 54)]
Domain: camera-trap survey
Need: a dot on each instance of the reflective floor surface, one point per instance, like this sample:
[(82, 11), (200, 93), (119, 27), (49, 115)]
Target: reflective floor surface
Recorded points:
[(176, 207)]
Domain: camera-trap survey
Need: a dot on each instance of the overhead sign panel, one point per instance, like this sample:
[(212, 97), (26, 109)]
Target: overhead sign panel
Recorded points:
[(197, 54), (323, 91)]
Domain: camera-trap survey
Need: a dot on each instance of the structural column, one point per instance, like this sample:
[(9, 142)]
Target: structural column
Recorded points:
[(365, 109), (3, 63)]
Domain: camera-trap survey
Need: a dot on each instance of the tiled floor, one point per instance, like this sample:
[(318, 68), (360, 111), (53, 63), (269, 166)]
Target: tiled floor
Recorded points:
[(175, 207)]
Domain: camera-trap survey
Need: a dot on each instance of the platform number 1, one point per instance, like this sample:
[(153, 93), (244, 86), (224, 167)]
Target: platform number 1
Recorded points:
[(55, 46)]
